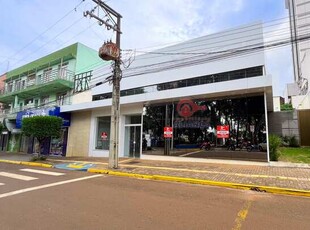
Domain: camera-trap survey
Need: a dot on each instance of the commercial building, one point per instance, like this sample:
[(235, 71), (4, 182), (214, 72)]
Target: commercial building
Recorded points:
[(210, 89), (299, 92), (40, 88)]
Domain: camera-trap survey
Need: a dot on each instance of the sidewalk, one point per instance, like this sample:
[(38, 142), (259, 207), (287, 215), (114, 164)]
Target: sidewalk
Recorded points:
[(269, 177)]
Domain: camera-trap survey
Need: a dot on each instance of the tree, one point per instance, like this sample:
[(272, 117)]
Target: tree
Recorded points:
[(42, 127)]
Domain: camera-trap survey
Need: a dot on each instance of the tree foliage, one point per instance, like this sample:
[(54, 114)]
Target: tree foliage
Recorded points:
[(42, 127)]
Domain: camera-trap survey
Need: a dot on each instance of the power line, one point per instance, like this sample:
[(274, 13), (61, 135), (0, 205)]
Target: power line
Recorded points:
[(158, 67), (32, 41), (49, 40)]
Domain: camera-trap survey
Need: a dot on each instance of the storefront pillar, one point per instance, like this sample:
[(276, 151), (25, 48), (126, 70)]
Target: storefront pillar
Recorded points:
[(267, 130)]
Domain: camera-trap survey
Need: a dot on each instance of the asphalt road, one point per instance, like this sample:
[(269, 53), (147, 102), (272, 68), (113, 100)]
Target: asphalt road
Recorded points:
[(79, 200)]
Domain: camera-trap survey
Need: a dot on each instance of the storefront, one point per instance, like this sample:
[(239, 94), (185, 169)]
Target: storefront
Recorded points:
[(51, 146), (229, 128)]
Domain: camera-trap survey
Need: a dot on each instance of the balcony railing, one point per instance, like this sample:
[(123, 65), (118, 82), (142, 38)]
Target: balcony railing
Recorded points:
[(66, 101), (19, 85)]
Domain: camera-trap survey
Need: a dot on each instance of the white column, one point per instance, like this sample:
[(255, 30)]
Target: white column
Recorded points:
[(267, 130)]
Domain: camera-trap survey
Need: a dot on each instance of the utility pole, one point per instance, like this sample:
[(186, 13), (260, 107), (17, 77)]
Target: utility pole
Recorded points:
[(111, 51)]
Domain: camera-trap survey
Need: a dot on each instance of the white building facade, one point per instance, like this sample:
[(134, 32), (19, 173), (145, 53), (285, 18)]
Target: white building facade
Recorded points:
[(299, 12), (194, 87)]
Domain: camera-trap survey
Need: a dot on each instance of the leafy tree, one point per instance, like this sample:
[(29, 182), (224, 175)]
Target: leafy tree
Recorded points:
[(42, 127)]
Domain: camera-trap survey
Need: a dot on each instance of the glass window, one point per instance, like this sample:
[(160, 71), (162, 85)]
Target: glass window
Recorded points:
[(135, 119), (103, 133)]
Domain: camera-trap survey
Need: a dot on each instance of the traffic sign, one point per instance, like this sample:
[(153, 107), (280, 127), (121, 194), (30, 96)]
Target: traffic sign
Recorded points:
[(222, 131), (168, 132)]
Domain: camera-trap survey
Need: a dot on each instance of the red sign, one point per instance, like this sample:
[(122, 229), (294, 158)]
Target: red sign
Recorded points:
[(186, 108), (168, 132), (222, 131), (104, 136)]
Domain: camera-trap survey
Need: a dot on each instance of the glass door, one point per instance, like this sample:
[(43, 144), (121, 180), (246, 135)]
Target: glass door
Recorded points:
[(132, 141)]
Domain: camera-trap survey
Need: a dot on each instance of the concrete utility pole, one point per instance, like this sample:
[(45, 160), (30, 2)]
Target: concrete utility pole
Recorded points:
[(111, 51)]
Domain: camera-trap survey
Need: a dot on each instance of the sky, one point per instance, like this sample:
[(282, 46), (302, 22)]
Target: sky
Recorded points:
[(34, 28)]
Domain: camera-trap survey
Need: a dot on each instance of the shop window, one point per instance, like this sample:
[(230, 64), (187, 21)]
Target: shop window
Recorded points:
[(136, 119), (103, 133)]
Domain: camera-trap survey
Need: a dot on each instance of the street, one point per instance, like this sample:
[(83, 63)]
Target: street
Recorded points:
[(39, 198)]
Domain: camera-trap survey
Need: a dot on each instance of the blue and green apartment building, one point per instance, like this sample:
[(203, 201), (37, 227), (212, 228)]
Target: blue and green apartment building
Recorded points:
[(41, 87)]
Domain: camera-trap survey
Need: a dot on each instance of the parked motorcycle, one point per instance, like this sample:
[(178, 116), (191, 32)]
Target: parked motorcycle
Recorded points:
[(206, 145)]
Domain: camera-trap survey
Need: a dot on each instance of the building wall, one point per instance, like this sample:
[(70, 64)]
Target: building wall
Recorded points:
[(301, 102), (82, 97), (276, 104), (300, 25), (87, 59), (284, 123), (78, 136), (191, 65)]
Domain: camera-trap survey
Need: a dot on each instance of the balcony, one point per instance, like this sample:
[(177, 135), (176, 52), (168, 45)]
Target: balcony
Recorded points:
[(11, 113), (50, 82)]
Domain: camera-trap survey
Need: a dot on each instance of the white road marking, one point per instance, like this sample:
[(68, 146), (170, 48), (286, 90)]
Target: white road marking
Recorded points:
[(17, 176), (46, 186), (1, 184), (187, 154), (43, 172)]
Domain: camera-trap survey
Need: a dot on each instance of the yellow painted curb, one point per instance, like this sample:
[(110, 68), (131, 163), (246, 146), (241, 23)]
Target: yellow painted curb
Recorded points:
[(10, 162), (43, 165), (268, 189)]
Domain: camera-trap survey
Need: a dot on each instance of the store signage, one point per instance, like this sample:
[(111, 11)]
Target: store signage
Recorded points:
[(186, 108), (51, 111), (109, 51), (222, 131), (168, 132)]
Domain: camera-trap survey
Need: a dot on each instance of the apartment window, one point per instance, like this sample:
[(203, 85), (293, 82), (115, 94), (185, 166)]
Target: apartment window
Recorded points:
[(61, 99), (28, 101), (17, 85), (47, 74), (44, 100), (62, 70), (10, 87), (31, 79)]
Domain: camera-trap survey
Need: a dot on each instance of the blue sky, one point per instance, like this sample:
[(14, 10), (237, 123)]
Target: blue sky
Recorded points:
[(146, 24)]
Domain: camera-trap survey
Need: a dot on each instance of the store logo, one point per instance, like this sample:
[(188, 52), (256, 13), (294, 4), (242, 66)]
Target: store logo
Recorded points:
[(186, 108)]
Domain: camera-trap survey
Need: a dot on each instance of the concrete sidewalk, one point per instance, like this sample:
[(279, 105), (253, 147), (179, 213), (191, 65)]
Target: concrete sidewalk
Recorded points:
[(270, 177)]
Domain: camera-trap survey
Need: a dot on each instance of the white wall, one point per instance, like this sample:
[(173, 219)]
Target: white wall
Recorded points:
[(301, 102), (190, 65)]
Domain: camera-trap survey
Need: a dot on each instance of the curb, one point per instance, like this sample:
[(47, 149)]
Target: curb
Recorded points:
[(258, 188), (43, 165)]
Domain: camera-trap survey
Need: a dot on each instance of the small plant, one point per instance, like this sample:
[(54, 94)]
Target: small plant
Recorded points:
[(274, 144), (38, 158), (293, 142), (285, 141)]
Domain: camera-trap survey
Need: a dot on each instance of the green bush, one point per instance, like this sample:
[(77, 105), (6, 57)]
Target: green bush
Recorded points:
[(274, 144)]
